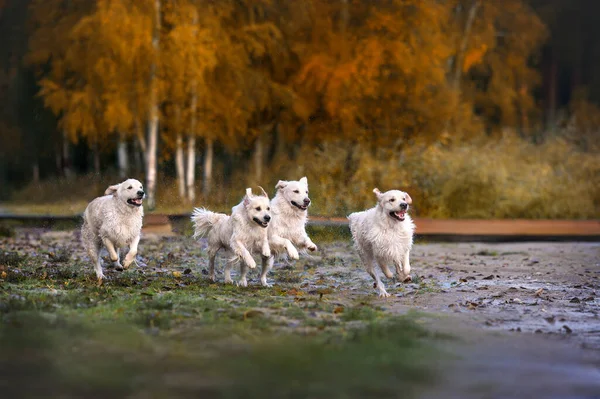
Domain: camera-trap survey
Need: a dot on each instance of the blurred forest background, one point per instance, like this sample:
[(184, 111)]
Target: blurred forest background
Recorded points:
[(478, 108)]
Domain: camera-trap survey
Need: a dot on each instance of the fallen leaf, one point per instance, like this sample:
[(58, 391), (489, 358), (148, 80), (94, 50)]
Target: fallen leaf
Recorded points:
[(3, 275), (539, 292), (490, 277), (575, 300), (567, 329), (338, 309), (187, 271), (176, 274)]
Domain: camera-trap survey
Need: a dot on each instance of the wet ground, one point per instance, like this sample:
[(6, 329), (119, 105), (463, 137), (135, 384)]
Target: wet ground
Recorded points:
[(526, 314)]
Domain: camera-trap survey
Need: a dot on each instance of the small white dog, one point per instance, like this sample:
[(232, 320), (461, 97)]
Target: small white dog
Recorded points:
[(288, 227), (243, 233), (114, 220), (383, 235)]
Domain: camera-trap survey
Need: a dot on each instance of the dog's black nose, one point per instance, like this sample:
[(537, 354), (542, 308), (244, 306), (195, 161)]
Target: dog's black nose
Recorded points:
[(267, 218), (306, 201), (404, 206), (140, 193)]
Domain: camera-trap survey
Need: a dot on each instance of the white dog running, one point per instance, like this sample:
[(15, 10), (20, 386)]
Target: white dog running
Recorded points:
[(288, 227), (114, 220), (243, 233), (384, 235)]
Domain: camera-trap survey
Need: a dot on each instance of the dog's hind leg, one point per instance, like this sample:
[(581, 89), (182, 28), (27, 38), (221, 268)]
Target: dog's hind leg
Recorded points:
[(93, 250), (212, 255), (370, 263), (384, 268), (227, 270), (406, 267), (113, 253), (267, 264), (92, 246), (243, 282)]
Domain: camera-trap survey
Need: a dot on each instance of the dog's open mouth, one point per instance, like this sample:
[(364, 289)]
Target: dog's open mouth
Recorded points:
[(303, 207), (261, 223), (399, 215), (135, 201)]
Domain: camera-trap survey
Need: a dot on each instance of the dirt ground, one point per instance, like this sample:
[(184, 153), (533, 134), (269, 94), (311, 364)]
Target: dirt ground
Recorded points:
[(535, 305), (550, 289)]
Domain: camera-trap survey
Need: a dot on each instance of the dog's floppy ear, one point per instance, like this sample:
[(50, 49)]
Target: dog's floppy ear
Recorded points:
[(304, 180), (377, 192), (281, 184), (112, 190), (264, 193), (408, 199)]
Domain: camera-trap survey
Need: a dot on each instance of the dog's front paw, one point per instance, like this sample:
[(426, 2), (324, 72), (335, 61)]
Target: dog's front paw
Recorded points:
[(266, 254), (128, 261), (293, 253), (383, 294), (265, 283), (242, 283), (228, 280), (251, 263)]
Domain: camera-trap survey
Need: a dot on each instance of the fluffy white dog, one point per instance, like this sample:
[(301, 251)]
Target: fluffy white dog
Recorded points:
[(383, 235), (288, 227), (114, 220), (243, 233)]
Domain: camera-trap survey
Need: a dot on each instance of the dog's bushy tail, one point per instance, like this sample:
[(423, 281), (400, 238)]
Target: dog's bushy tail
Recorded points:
[(204, 220)]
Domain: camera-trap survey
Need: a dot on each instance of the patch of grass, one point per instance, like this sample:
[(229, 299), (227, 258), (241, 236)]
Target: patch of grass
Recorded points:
[(11, 259), (359, 313), (56, 357)]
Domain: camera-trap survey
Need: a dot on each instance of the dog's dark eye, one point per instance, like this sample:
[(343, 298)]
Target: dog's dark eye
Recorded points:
[(404, 199), (393, 199), (268, 209), (129, 188), (258, 208), (297, 191)]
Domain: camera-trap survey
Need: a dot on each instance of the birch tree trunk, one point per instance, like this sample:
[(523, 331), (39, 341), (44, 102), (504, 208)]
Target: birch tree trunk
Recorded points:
[(208, 167), (191, 168), (191, 155), (122, 157), (153, 116), (179, 166)]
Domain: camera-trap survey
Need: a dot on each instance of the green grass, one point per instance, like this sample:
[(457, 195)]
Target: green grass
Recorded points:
[(149, 333)]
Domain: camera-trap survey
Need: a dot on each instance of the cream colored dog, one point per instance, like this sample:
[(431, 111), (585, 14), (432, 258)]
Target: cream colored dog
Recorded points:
[(114, 220), (288, 227), (243, 233), (383, 235)]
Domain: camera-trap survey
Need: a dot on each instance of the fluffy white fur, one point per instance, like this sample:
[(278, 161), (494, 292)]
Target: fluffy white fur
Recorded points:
[(115, 221), (383, 235), (288, 227), (243, 233)]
